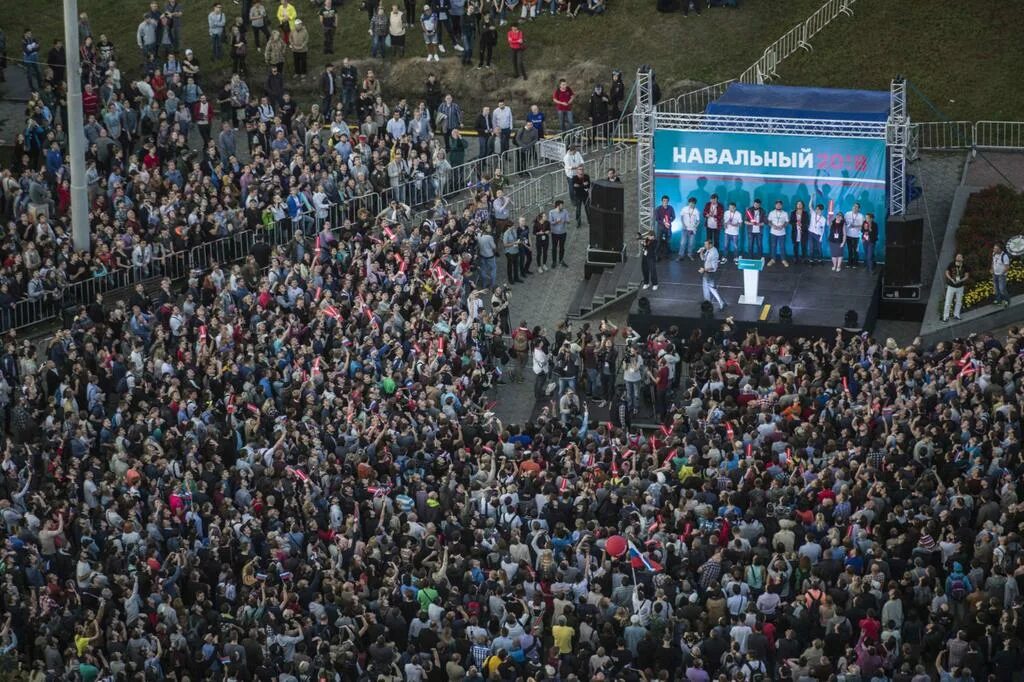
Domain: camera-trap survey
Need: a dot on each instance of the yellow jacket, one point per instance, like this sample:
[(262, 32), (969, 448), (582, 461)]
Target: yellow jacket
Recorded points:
[(287, 13)]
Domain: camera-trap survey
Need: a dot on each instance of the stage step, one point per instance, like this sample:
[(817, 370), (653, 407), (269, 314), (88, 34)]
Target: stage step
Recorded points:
[(613, 286), (605, 287), (625, 271), (635, 275), (584, 301)]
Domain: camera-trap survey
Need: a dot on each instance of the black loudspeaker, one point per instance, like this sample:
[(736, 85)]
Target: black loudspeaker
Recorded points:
[(606, 229), (904, 229), (608, 196), (903, 239)]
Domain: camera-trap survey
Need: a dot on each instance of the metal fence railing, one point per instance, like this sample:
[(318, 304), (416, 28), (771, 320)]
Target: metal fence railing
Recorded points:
[(999, 134), (695, 101), (954, 135), (943, 134), (797, 38), (543, 189)]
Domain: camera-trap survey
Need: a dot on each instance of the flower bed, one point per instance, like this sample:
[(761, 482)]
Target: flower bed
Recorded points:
[(991, 215)]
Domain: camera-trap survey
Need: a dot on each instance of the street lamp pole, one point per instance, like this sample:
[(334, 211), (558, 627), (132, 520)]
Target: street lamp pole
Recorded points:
[(76, 130)]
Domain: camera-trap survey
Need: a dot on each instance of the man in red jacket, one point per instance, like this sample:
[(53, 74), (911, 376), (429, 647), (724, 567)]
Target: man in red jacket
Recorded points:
[(563, 99), (714, 213), (515, 43)]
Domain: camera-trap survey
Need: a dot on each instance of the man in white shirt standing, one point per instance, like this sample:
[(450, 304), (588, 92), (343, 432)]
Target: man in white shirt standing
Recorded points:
[(540, 368), (690, 219), (709, 272), (817, 229), (501, 118), (570, 161), (1000, 266), (777, 221), (854, 222), (733, 221)]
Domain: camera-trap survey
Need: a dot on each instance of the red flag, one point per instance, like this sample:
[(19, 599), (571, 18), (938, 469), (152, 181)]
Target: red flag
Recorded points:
[(316, 296), (317, 245), (331, 311), (389, 233), (565, 484), (750, 449), (440, 345), (252, 408), (665, 430), (729, 432), (202, 333), (846, 386), (668, 459)]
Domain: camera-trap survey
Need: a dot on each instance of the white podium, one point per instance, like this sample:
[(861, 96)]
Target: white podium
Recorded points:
[(751, 268)]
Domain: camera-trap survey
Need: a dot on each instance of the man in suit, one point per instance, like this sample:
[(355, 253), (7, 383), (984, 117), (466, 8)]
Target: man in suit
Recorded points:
[(328, 87)]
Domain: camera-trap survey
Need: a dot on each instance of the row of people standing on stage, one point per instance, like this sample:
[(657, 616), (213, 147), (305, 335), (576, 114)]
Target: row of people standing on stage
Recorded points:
[(742, 233)]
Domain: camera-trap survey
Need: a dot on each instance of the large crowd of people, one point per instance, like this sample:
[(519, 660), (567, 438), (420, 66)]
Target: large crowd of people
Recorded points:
[(291, 468), (177, 158)]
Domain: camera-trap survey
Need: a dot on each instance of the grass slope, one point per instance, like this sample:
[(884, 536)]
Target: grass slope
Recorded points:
[(715, 46), (963, 56)]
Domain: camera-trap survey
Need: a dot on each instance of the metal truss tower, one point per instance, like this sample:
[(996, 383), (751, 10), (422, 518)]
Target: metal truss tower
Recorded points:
[(897, 139), (643, 127)]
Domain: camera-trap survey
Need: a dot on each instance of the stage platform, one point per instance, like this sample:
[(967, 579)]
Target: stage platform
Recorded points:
[(818, 297)]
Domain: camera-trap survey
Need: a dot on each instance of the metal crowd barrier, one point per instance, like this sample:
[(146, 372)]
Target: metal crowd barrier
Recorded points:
[(597, 142), (954, 135), (798, 37)]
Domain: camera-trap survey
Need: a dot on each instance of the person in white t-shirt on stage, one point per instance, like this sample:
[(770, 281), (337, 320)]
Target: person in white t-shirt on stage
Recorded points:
[(854, 223), (817, 228), (733, 222), (778, 219), (689, 217)]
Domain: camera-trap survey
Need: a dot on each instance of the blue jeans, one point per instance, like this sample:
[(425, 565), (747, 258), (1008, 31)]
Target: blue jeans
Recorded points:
[(377, 46), (814, 251), (755, 246), (778, 248), (348, 100), (687, 243), (565, 383), (593, 383), (565, 120), (632, 394), (869, 256), (710, 289), (1000, 284), (218, 51), (732, 246)]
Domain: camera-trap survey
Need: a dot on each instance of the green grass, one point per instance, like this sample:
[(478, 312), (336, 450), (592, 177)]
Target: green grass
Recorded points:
[(715, 46), (963, 56)]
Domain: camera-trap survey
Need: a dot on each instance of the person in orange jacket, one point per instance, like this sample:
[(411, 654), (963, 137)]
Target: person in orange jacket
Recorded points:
[(515, 43)]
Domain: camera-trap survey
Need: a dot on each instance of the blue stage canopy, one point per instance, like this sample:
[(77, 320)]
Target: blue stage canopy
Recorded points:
[(784, 101)]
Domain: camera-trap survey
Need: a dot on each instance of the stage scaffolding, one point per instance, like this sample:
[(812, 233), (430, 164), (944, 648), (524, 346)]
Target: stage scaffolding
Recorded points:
[(897, 139)]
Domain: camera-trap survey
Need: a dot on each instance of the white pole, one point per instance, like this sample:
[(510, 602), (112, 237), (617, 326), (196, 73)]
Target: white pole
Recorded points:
[(76, 130)]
